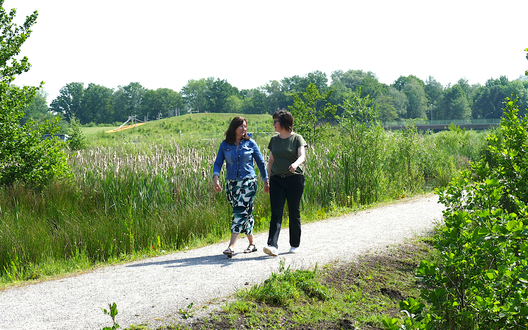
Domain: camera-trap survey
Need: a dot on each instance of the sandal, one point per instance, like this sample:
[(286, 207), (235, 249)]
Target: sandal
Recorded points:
[(250, 248), (228, 252)]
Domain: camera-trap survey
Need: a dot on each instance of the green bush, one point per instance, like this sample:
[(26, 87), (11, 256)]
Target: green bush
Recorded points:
[(480, 278)]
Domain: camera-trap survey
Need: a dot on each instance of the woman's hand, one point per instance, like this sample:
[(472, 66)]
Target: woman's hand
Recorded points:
[(216, 183), (266, 189)]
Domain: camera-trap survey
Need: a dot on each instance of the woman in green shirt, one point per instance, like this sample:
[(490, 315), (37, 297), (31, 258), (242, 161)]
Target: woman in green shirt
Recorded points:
[(287, 153)]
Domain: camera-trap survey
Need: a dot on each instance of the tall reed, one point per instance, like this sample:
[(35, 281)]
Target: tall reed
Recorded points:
[(126, 198)]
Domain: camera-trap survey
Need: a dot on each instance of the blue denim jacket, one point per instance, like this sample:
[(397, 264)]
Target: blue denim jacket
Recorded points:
[(239, 164)]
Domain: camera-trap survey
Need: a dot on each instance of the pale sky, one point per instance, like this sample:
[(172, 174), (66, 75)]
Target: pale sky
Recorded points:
[(166, 43)]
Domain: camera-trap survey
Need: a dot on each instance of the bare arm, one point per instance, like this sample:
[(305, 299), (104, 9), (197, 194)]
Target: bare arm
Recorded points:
[(301, 157), (270, 162)]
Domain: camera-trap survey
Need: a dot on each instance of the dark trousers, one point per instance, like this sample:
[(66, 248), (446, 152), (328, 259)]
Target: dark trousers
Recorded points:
[(289, 189)]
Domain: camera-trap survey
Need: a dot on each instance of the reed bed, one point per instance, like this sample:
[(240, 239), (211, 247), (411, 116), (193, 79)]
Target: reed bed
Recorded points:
[(127, 199)]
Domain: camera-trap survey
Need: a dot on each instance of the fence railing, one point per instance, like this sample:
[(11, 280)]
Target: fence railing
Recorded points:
[(442, 122)]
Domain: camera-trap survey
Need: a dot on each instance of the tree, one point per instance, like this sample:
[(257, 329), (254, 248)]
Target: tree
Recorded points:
[(195, 94), (233, 104), (37, 109), (414, 89), (345, 85), (401, 102), (309, 109), (217, 93), (526, 50), (97, 104), (254, 102), (128, 101), (433, 89), (455, 104), (516, 90), (69, 101), (161, 100), (77, 140), (385, 105), (489, 100), (275, 96), (24, 155)]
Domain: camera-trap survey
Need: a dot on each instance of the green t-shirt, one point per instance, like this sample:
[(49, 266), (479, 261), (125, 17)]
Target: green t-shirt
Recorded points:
[(285, 153)]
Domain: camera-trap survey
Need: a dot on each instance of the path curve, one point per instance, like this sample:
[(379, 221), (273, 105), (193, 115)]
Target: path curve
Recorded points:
[(155, 289)]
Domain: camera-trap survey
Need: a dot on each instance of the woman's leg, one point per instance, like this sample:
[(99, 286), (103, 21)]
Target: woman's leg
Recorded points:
[(294, 196), (277, 199), (233, 240), (241, 196)]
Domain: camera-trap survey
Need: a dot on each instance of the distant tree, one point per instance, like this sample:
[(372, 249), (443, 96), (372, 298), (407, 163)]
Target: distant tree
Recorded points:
[(489, 100), (69, 101), (400, 83), (233, 104), (217, 93), (526, 50), (400, 100), (275, 97), (345, 85), (127, 101), (161, 100), (195, 94), (37, 109), (455, 104), (433, 90), (372, 87), (310, 109), (352, 79), (517, 90), (24, 155), (468, 90), (414, 89), (77, 140), (385, 108), (298, 84), (97, 104), (254, 102)]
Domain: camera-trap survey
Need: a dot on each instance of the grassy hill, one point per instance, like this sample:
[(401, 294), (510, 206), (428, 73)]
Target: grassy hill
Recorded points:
[(186, 127)]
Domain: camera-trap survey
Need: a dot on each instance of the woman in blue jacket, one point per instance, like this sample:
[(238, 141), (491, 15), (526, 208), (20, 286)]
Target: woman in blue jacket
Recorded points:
[(239, 152)]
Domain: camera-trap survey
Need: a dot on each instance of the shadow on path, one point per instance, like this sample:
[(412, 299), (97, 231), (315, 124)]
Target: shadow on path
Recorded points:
[(205, 260)]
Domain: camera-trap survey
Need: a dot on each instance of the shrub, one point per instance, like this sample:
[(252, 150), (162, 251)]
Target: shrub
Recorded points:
[(480, 279)]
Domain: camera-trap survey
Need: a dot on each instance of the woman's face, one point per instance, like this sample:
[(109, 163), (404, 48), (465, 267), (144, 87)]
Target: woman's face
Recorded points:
[(241, 130), (276, 124)]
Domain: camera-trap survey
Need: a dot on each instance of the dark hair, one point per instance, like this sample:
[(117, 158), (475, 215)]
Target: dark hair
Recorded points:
[(285, 119), (230, 134)]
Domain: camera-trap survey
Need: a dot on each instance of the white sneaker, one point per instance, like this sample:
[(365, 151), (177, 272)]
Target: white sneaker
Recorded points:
[(271, 250), (294, 249)]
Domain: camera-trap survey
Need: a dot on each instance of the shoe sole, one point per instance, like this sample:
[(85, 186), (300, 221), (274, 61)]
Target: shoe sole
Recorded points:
[(269, 252), (229, 255)]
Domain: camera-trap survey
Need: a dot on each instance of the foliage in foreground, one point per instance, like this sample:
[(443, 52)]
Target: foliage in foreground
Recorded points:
[(24, 155), (480, 280), (356, 295)]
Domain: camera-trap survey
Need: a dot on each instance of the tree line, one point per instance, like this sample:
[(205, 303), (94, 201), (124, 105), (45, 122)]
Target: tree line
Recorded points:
[(408, 97)]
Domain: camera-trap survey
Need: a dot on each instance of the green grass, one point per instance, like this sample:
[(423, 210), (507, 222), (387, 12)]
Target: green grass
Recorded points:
[(187, 128), (355, 295), (90, 132), (135, 194)]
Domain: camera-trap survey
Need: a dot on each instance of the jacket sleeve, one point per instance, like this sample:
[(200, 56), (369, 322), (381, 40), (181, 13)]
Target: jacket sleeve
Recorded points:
[(257, 155), (219, 162)]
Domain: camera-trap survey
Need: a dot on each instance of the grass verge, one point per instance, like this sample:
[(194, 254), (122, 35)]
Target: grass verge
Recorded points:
[(354, 295)]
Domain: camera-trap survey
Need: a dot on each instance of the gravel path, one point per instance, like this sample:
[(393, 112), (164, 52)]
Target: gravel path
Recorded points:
[(155, 289)]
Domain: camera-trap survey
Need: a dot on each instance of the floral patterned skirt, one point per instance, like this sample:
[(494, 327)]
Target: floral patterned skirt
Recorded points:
[(241, 196)]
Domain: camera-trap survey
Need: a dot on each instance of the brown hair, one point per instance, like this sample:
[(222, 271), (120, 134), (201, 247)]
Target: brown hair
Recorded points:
[(285, 119), (230, 134)]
